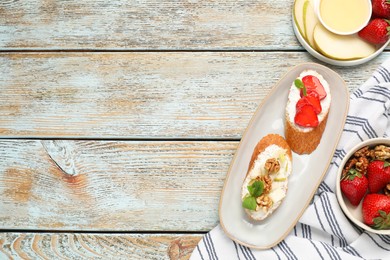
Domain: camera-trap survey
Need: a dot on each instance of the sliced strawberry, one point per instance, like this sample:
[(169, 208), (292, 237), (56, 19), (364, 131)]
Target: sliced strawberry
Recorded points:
[(302, 102), (313, 83), (310, 92), (310, 100), (306, 116), (315, 102)]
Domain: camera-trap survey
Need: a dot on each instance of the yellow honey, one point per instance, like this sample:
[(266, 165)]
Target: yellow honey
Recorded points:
[(345, 16)]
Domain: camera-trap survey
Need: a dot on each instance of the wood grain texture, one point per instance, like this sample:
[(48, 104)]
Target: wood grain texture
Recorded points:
[(144, 25), (182, 247), (112, 185), (130, 187), (142, 95), (96, 246)]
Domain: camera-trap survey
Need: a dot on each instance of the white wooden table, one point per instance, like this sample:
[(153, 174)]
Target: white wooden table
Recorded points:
[(119, 119)]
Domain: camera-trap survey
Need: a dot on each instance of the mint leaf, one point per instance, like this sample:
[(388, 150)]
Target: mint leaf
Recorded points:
[(299, 84), (249, 203), (256, 189)]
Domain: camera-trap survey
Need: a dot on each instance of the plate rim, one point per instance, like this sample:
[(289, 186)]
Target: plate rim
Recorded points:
[(229, 172)]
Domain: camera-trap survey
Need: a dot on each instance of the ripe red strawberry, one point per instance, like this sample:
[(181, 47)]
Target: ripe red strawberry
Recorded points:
[(381, 8), (313, 101), (313, 83), (378, 175), (310, 92), (306, 116), (376, 31), (376, 211), (354, 186)]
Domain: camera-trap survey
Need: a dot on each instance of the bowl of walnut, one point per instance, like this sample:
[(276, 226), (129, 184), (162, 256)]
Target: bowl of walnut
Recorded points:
[(363, 185)]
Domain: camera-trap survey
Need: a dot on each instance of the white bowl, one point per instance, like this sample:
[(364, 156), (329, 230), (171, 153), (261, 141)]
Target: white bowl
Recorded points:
[(354, 213), (356, 30), (344, 63)]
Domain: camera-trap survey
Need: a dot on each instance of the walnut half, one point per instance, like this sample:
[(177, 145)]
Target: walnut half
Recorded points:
[(272, 165), (264, 202)]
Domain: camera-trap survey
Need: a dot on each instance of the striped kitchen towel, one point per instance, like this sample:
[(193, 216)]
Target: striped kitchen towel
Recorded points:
[(323, 231)]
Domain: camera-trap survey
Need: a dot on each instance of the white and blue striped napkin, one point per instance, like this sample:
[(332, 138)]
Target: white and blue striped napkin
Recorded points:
[(324, 232)]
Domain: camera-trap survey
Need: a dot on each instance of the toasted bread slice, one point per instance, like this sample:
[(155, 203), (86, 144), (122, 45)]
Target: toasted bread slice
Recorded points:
[(304, 140), (271, 163)]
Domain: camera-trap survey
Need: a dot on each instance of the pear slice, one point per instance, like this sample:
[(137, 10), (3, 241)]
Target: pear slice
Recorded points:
[(310, 20), (341, 47), (298, 16)]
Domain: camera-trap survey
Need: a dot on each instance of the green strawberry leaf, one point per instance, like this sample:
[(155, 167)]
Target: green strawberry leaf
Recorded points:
[(256, 189), (386, 164), (299, 84), (249, 202), (388, 27), (382, 213), (351, 174), (382, 221)]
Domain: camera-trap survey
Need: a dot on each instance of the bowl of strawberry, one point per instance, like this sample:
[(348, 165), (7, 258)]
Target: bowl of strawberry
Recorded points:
[(363, 187)]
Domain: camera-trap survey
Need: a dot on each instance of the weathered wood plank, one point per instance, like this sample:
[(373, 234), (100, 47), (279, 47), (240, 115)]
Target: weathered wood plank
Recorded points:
[(96, 246), (121, 24), (142, 95), (112, 185)]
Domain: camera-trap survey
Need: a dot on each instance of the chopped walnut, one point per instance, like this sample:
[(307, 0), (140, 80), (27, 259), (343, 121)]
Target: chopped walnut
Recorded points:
[(362, 164), (386, 190), (272, 165), (362, 152), (267, 183), (382, 152), (350, 164), (264, 202)]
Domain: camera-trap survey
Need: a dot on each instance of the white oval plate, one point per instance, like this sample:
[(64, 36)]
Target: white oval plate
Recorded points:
[(308, 170), (344, 63), (352, 212)]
